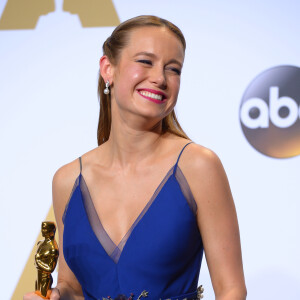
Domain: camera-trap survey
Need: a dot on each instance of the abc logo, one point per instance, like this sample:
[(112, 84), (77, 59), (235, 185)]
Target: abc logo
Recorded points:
[(270, 112)]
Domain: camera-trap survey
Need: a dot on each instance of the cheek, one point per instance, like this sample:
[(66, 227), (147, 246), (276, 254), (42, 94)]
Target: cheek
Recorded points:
[(127, 82), (135, 73), (175, 83), (132, 76)]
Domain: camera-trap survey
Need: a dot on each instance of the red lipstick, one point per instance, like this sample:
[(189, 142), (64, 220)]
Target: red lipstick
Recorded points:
[(164, 96)]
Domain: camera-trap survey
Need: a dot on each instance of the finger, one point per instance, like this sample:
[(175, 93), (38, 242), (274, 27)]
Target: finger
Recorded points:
[(31, 296), (55, 294)]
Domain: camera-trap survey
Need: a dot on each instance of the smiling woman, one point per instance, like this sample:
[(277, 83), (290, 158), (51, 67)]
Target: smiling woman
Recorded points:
[(113, 48), (135, 214)]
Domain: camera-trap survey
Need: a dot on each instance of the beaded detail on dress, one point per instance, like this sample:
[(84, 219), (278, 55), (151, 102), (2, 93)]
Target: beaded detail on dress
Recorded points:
[(199, 295)]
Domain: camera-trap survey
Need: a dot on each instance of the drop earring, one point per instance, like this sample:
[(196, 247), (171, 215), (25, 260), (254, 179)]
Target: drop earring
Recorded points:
[(106, 90)]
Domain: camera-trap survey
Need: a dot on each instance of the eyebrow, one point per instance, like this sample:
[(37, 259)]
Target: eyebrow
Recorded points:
[(152, 55)]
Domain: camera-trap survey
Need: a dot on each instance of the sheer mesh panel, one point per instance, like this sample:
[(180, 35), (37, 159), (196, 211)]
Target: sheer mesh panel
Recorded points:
[(114, 251), (71, 194), (185, 188), (94, 220)]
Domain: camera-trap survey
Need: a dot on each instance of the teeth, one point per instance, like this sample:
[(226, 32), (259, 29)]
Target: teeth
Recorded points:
[(151, 95)]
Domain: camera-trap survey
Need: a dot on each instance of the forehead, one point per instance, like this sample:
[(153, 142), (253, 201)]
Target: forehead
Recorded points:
[(157, 40)]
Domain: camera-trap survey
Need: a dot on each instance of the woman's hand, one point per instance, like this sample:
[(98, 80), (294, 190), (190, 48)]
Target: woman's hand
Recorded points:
[(54, 295)]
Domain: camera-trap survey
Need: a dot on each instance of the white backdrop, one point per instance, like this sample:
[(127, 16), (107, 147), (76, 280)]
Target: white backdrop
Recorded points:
[(49, 112)]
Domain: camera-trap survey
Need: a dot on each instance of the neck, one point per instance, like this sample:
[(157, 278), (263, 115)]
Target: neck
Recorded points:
[(133, 142)]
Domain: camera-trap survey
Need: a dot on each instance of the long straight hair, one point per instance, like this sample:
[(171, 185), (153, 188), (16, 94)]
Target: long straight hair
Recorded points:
[(112, 48)]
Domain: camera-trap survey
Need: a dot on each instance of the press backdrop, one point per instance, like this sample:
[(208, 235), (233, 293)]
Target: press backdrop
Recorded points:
[(49, 53)]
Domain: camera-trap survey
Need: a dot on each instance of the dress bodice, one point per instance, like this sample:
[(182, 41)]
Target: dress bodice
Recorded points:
[(161, 253)]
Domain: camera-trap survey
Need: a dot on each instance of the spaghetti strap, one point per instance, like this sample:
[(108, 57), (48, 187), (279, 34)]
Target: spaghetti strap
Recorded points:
[(80, 164), (175, 167), (76, 183)]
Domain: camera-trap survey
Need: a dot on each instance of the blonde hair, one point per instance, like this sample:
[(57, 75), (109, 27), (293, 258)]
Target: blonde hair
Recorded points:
[(112, 48)]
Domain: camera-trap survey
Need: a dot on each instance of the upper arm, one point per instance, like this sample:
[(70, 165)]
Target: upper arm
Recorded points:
[(62, 183), (216, 217)]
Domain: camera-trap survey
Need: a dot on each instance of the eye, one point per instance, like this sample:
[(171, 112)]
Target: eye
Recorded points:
[(177, 71), (145, 61)]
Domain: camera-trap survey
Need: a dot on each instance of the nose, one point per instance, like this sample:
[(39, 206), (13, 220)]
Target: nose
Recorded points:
[(158, 77)]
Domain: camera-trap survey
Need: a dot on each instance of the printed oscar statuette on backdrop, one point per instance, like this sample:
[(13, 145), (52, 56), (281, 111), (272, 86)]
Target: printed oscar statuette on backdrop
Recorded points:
[(45, 260)]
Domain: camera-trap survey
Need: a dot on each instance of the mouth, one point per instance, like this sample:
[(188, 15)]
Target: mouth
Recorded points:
[(152, 95)]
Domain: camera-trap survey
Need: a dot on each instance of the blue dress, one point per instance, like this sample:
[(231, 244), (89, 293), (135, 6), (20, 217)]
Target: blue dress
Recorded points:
[(160, 254)]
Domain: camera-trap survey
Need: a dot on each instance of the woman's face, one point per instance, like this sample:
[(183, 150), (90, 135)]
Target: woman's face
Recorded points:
[(146, 79)]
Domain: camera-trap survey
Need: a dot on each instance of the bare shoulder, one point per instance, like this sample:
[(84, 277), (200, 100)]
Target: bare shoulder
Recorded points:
[(199, 159), (205, 174), (62, 184), (65, 178)]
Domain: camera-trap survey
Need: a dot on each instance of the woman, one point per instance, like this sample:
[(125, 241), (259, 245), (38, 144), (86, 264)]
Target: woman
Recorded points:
[(147, 201)]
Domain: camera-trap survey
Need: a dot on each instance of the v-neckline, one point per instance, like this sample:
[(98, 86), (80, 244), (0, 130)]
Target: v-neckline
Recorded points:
[(115, 254)]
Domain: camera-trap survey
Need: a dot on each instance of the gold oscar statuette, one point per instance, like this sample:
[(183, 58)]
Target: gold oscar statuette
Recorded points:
[(45, 260)]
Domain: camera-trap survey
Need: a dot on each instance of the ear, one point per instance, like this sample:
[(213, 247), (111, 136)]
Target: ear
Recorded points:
[(106, 69)]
